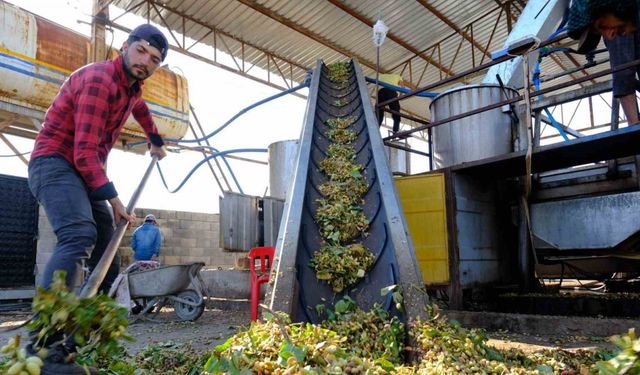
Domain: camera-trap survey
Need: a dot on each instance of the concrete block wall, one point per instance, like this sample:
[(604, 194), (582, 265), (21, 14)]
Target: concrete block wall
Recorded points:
[(46, 242), (188, 237), (44, 248)]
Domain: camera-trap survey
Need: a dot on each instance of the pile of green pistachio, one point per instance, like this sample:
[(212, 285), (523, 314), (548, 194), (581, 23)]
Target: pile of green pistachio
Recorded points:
[(341, 260), (97, 325), (352, 341), (339, 74)]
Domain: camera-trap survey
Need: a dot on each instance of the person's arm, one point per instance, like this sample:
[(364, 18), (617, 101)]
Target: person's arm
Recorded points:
[(141, 113), (90, 117)]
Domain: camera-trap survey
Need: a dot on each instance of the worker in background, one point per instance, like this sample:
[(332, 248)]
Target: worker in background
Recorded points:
[(147, 240), (67, 169), (616, 21), (385, 94)]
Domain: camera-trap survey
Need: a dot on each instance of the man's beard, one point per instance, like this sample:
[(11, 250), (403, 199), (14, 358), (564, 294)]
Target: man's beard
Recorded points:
[(131, 73)]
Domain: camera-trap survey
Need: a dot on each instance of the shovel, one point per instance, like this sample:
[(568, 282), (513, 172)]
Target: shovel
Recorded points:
[(97, 275)]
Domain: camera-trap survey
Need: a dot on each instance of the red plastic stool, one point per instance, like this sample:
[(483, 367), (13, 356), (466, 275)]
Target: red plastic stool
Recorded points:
[(265, 254)]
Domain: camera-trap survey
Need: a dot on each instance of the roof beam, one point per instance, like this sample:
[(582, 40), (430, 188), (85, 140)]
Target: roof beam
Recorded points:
[(218, 31), (556, 60), (306, 32), (450, 23), (217, 64), (354, 13), (454, 33)]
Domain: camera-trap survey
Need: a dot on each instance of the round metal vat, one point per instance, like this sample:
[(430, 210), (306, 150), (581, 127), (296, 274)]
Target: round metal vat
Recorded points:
[(399, 160), (282, 163), (474, 137)]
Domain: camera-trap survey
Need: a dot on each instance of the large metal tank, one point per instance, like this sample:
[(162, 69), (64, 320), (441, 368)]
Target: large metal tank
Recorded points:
[(282, 162), (37, 55), (474, 137)]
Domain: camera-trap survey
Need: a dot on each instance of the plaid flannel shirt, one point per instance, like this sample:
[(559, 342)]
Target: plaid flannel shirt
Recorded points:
[(86, 117)]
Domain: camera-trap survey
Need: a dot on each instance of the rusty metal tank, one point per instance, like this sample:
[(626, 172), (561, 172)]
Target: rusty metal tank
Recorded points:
[(37, 55)]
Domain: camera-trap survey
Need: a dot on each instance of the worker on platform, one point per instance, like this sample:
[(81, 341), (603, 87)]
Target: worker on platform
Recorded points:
[(67, 168), (147, 240), (616, 21), (386, 93)]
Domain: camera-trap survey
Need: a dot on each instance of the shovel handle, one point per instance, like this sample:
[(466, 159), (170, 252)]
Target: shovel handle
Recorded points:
[(100, 271)]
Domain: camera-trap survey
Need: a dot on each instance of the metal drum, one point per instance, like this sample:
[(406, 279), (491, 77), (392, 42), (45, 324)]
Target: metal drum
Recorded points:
[(282, 162), (399, 160), (474, 137)]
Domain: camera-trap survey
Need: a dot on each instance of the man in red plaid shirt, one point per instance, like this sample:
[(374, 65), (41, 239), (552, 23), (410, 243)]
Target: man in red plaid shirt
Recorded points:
[(67, 169)]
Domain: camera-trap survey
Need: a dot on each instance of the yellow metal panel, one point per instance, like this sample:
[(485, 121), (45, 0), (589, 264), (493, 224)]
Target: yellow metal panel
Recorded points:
[(423, 202)]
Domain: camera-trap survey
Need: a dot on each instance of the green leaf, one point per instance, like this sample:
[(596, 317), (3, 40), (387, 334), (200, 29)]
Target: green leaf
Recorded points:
[(493, 355), (342, 306), (216, 365), (222, 347), (544, 369), (388, 289), (385, 364), (398, 298), (291, 350)]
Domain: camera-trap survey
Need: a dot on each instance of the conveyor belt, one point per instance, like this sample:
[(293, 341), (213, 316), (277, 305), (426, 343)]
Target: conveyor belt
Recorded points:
[(296, 289)]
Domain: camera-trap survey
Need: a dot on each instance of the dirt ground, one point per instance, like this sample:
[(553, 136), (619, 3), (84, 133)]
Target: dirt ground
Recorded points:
[(211, 329), (215, 326)]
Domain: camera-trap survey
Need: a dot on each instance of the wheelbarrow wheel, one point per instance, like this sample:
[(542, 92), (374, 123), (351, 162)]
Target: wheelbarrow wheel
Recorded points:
[(188, 312)]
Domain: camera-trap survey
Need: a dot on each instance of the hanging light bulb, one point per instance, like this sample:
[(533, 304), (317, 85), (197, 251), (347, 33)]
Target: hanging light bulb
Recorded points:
[(379, 33)]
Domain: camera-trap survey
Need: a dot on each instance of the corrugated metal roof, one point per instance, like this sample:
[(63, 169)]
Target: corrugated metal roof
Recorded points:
[(297, 33)]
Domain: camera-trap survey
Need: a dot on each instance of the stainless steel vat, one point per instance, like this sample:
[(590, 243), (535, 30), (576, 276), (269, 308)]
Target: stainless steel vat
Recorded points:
[(282, 158), (239, 222), (474, 137)]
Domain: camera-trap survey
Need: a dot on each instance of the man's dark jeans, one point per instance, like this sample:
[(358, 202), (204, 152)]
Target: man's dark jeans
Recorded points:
[(385, 94), (79, 223)]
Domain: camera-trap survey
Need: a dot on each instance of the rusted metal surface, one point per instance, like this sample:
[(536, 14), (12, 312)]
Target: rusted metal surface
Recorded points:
[(38, 55), (60, 47)]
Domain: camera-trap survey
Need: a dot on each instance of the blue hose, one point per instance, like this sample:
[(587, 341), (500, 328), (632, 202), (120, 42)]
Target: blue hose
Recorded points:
[(536, 83), (220, 153), (233, 175), (245, 110), (263, 101), (401, 89)]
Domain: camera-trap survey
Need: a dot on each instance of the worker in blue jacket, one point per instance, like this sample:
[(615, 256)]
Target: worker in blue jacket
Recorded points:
[(147, 240)]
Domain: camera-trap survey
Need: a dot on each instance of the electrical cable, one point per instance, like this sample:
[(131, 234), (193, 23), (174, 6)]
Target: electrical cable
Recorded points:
[(15, 155), (220, 153), (228, 122), (233, 175)]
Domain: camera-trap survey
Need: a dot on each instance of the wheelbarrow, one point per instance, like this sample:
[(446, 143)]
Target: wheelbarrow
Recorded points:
[(170, 284)]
